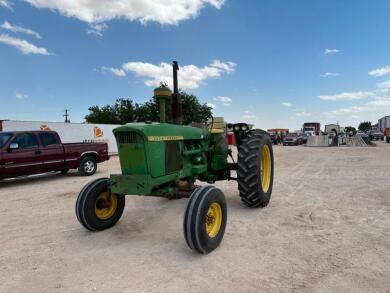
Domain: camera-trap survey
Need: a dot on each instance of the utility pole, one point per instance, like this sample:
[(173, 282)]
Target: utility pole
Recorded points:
[(66, 115)]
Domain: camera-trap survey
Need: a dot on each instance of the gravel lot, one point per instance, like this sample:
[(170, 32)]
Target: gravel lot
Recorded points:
[(327, 229)]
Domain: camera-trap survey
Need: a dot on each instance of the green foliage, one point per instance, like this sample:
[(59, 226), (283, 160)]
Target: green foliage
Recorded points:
[(364, 126), (125, 111), (349, 129), (193, 110)]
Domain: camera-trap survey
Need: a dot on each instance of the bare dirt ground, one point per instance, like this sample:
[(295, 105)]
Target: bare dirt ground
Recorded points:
[(327, 229)]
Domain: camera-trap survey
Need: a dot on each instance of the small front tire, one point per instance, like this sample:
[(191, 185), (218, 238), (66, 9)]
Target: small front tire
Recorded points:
[(205, 219), (97, 208)]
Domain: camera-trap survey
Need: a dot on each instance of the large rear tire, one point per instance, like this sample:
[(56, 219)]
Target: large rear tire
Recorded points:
[(255, 172), (97, 208), (205, 219)]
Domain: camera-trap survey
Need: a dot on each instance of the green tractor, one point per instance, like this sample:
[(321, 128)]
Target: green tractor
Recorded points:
[(165, 160)]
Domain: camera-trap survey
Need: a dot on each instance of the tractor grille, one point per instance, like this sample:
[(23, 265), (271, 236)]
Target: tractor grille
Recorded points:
[(129, 137), (173, 158)]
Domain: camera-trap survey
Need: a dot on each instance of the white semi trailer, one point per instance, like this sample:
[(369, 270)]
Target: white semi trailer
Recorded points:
[(69, 132)]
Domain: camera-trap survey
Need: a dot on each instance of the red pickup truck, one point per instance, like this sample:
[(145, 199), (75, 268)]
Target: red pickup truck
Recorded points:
[(33, 152)]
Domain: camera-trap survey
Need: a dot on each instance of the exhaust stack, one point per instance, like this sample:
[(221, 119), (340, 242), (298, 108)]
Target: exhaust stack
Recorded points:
[(177, 115)]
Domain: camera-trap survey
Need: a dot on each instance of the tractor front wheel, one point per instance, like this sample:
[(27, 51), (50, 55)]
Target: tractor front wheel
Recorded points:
[(255, 172), (205, 219), (97, 208)]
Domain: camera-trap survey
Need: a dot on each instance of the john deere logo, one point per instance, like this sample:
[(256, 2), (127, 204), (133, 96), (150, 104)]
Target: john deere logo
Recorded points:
[(97, 132), (44, 127)]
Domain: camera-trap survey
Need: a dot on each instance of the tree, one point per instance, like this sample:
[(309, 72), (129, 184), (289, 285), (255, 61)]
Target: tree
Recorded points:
[(349, 129), (122, 110), (193, 110), (364, 126), (125, 111)]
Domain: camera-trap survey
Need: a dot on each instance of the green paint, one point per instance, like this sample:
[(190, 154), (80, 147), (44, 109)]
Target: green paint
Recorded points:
[(154, 156)]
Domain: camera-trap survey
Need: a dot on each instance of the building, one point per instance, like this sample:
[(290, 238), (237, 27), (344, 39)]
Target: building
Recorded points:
[(332, 127), (278, 131), (69, 132)]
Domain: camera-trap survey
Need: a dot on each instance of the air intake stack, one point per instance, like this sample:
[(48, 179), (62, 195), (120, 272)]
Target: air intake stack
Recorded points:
[(176, 99)]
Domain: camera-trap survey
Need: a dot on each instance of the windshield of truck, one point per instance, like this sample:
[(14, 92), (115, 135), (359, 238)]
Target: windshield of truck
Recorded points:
[(292, 135), (4, 137), (308, 129)]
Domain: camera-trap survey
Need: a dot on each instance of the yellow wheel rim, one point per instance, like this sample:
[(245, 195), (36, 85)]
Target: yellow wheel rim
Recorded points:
[(105, 205), (213, 219), (265, 168)]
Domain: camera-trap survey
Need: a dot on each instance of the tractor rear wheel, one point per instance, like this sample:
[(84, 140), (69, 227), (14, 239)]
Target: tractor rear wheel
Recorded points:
[(205, 219), (255, 172), (97, 208)]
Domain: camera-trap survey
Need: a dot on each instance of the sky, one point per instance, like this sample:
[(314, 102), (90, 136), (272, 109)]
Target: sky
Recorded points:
[(273, 63)]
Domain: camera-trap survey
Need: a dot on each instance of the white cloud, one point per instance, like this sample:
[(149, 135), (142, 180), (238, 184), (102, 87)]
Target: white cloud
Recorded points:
[(20, 96), (224, 66), (379, 104), (286, 104), (6, 4), (330, 74), (384, 85), (116, 71), (190, 76), (331, 51), (347, 96), (380, 71), (303, 114), (18, 29), (97, 29), (249, 115), (24, 46), (383, 90), (226, 101), (211, 105), (161, 11)]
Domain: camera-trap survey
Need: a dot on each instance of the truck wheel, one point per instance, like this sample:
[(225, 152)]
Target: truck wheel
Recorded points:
[(87, 166), (205, 219), (255, 171), (97, 208)]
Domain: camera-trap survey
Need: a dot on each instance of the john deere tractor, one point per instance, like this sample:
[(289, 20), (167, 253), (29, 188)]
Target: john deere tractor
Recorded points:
[(165, 159)]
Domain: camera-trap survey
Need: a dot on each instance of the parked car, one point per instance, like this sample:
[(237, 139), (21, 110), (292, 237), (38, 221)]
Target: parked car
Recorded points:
[(359, 132), (362, 134), (32, 152), (375, 135), (274, 138), (305, 137), (293, 139)]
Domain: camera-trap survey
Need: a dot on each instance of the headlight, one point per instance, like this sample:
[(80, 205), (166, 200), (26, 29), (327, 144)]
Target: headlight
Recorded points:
[(237, 128), (244, 127)]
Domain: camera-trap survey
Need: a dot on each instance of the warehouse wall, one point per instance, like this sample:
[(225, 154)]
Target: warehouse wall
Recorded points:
[(69, 132)]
